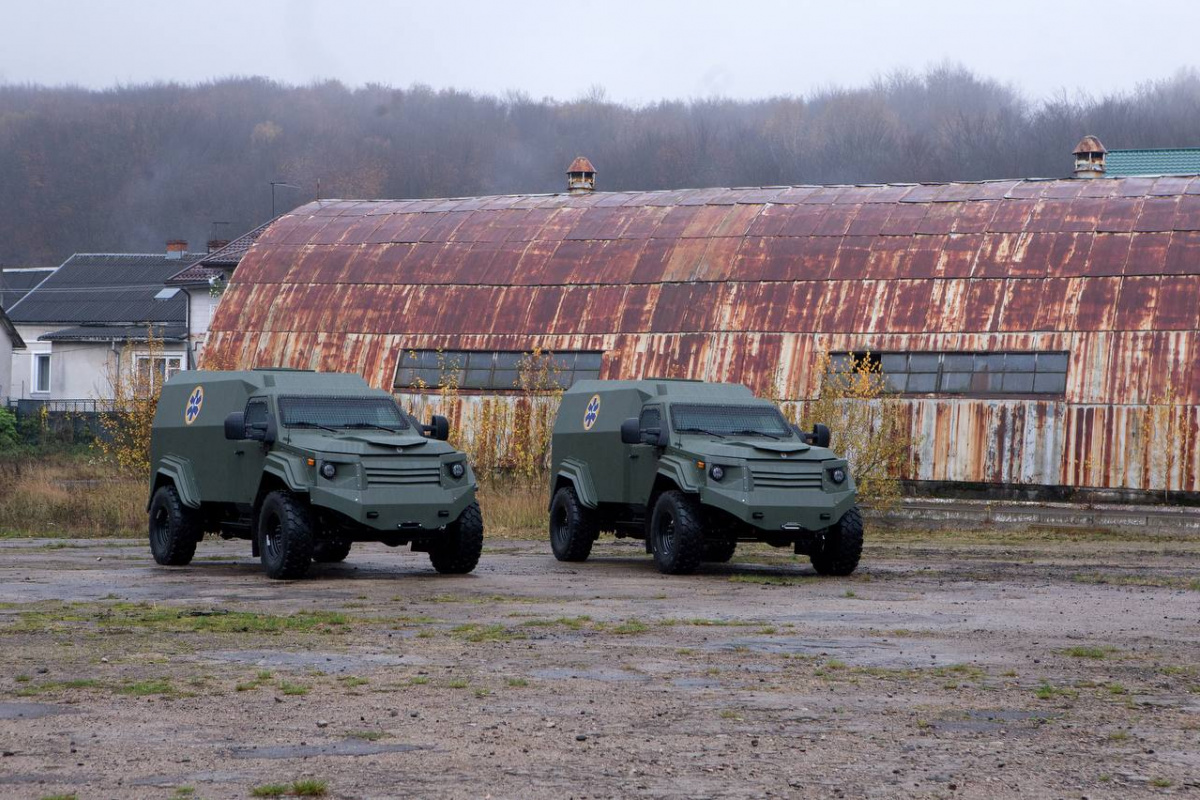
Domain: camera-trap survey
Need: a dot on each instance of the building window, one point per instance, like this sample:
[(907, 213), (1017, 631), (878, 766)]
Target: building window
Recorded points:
[(967, 374), (493, 370), (41, 372), (156, 370)]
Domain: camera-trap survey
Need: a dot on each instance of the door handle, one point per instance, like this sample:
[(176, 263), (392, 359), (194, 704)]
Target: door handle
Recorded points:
[(633, 456), (239, 452)]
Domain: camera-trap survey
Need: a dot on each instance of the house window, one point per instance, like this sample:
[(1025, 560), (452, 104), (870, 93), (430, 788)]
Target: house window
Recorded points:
[(1004, 374), (155, 370), (493, 370), (41, 372)]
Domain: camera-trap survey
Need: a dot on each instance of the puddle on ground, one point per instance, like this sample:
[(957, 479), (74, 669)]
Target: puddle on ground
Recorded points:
[(75, 779), (326, 662), (171, 781), (697, 683), (993, 720), (348, 747), (857, 652), (29, 710), (604, 675)]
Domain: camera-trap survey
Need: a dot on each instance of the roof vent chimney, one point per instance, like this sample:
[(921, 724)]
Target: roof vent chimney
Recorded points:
[(216, 244), (581, 176), (1089, 158), (176, 248)]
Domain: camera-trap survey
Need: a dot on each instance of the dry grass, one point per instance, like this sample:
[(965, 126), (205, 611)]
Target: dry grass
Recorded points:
[(65, 494), (84, 495), (515, 508)]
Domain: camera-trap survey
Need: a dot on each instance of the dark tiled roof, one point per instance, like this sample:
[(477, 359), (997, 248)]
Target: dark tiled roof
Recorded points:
[(219, 261), (1179, 161), (16, 283), (109, 333), (105, 288)]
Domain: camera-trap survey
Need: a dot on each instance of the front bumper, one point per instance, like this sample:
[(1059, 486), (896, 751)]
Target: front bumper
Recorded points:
[(397, 509), (782, 510)]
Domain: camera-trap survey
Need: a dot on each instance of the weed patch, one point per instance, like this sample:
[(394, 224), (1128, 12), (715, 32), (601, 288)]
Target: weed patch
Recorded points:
[(476, 632), (1087, 652), (115, 617)]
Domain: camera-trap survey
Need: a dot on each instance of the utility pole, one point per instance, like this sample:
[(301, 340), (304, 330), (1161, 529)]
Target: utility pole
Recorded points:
[(273, 185)]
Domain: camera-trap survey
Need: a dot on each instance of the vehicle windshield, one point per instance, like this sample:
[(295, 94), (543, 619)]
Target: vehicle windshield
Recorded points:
[(341, 412), (724, 420)]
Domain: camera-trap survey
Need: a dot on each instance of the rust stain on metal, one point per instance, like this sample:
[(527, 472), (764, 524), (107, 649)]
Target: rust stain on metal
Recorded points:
[(751, 285)]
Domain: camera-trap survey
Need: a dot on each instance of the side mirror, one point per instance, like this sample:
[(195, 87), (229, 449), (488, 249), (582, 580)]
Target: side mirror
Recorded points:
[(265, 432), (818, 438), (820, 435), (656, 436), (631, 432), (438, 428), (235, 426)]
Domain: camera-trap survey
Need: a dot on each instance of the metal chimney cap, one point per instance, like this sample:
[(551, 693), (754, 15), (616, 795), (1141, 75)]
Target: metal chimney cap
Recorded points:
[(1089, 145), (581, 164)]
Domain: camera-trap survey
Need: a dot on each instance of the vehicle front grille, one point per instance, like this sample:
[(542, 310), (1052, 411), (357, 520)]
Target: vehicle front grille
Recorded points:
[(405, 475), (770, 477)]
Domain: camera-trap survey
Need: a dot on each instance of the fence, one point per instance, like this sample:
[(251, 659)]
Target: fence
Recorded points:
[(40, 421)]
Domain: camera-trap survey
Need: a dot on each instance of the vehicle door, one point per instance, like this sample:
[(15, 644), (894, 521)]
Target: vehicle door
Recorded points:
[(250, 454), (641, 460)]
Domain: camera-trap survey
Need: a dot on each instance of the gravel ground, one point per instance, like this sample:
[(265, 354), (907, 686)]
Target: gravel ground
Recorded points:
[(951, 665)]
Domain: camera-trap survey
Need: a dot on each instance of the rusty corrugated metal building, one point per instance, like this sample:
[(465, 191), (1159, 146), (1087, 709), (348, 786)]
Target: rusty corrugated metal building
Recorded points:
[(1040, 332)]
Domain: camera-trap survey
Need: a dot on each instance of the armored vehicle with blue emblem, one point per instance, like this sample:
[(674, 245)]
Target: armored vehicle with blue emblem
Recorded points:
[(304, 465), (693, 468)]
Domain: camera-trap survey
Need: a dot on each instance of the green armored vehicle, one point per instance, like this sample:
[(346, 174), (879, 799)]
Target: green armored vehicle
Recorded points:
[(303, 465), (694, 468)]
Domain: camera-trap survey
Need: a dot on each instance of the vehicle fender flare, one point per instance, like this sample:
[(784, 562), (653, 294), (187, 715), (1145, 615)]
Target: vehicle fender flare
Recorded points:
[(579, 476), (288, 470), (177, 471), (680, 472)]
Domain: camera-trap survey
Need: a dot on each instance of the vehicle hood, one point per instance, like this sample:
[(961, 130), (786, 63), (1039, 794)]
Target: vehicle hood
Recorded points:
[(369, 443), (755, 448)]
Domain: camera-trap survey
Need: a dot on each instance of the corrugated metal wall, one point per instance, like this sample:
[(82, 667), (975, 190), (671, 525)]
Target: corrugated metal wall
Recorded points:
[(751, 285)]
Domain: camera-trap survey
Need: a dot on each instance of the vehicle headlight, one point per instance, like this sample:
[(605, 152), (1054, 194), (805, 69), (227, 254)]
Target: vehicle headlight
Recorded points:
[(457, 470), (837, 475), (717, 472), (328, 471)]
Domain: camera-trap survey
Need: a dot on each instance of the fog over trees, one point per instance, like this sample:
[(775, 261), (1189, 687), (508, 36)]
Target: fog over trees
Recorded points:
[(124, 170)]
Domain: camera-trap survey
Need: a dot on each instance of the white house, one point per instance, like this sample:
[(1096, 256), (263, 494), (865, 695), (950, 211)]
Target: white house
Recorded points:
[(203, 281), (79, 321), (10, 340)]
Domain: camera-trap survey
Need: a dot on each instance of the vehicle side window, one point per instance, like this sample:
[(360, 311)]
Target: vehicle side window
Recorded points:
[(256, 413), (651, 418)]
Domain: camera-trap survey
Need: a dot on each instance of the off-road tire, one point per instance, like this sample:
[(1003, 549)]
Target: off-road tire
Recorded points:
[(330, 551), (573, 528), (457, 551), (677, 533), (286, 543), (843, 546), (174, 528), (719, 551)]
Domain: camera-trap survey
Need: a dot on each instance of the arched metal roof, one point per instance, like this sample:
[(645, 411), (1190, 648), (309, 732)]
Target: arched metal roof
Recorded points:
[(749, 285)]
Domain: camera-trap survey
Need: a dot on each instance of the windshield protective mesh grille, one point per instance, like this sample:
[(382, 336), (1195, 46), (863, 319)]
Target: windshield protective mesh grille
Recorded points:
[(728, 420), (341, 412)]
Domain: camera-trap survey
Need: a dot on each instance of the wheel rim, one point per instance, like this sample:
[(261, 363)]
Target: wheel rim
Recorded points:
[(273, 538), (666, 533), (559, 527), (160, 525)]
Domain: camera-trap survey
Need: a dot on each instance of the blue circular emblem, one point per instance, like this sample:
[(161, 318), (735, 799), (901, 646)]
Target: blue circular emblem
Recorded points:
[(592, 413), (195, 402)]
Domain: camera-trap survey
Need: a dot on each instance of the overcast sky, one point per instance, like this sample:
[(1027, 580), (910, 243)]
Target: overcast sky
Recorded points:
[(638, 50)]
